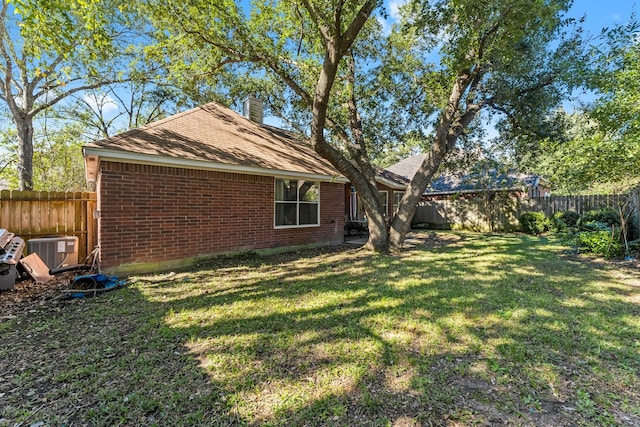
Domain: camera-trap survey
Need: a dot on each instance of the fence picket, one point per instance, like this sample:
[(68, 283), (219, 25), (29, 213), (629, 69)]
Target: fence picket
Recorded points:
[(31, 214), (470, 213)]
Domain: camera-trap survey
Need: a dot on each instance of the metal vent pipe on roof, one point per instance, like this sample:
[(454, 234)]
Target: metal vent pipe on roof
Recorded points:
[(252, 108)]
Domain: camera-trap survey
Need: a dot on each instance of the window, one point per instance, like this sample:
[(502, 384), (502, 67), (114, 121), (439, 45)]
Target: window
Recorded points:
[(397, 197), (297, 203), (384, 197)]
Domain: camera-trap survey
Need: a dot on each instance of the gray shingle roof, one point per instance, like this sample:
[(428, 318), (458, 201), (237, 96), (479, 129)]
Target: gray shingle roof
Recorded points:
[(450, 183)]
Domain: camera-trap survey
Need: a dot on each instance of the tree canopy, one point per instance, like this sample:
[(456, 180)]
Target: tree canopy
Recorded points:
[(51, 49), (600, 146), (330, 63)]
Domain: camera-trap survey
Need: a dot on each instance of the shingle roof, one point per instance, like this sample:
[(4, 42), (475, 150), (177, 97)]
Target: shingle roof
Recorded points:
[(459, 183), (489, 180), (216, 135), (408, 167), (392, 179)]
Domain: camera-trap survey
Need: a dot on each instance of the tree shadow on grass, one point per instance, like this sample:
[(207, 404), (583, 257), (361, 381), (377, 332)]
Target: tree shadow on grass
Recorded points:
[(349, 341), (479, 329)]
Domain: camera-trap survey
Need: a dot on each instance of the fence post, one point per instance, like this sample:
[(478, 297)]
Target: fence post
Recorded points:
[(635, 216)]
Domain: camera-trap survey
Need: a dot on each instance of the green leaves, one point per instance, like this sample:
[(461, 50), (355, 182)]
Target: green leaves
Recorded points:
[(602, 150), (63, 26)]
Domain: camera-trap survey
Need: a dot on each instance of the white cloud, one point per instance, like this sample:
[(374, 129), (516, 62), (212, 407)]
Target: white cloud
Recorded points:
[(100, 101), (394, 8), (385, 24)]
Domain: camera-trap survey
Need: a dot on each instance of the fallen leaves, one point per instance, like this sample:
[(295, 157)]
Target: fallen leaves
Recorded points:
[(28, 295)]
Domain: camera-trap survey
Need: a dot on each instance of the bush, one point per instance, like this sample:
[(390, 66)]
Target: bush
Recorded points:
[(534, 222), (608, 216), (564, 221), (602, 242), (596, 226)]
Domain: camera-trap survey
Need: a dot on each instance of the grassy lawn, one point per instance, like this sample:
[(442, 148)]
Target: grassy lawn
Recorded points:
[(462, 329)]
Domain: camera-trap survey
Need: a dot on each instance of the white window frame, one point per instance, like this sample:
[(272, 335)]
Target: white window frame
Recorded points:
[(397, 205), (384, 199), (297, 202)]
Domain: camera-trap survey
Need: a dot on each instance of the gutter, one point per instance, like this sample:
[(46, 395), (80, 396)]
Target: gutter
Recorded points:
[(93, 156)]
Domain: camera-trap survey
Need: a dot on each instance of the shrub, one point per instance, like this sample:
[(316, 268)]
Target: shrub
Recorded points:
[(602, 242), (608, 216), (534, 222), (596, 226), (563, 221)]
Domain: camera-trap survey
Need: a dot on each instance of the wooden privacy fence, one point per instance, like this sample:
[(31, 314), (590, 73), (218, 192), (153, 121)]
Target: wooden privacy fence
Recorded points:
[(580, 204), (501, 212), (34, 214)]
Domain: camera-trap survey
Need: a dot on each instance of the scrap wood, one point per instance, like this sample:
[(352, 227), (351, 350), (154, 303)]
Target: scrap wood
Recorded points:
[(36, 268)]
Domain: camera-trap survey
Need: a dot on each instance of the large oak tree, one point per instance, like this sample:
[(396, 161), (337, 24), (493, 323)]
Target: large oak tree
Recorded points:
[(51, 49), (448, 60)]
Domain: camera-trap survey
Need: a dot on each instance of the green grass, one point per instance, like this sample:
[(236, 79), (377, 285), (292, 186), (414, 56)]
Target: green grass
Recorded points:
[(467, 329)]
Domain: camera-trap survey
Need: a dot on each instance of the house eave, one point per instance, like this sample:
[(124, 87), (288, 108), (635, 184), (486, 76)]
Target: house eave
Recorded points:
[(93, 156), (391, 184)]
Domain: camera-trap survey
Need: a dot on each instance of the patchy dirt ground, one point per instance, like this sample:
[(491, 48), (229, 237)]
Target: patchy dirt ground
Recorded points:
[(28, 295)]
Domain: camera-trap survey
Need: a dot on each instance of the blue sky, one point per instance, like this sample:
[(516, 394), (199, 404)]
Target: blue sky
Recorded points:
[(599, 13), (603, 13)]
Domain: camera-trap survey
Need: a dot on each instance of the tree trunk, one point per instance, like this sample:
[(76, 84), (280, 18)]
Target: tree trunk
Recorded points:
[(401, 223), (24, 126), (451, 124), (376, 221)]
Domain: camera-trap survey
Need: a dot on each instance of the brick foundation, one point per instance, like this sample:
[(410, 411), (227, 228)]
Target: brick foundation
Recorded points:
[(151, 214)]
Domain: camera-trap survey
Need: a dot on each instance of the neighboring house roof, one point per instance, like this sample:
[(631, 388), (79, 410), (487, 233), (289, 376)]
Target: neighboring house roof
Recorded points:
[(391, 179), (490, 180), (408, 167), (466, 183), (213, 137)]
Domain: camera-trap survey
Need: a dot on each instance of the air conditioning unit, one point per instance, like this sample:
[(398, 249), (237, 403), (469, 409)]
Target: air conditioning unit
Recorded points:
[(55, 251)]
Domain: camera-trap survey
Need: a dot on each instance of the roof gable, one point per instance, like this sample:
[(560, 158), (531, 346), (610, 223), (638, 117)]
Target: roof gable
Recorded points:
[(215, 135), (408, 167)]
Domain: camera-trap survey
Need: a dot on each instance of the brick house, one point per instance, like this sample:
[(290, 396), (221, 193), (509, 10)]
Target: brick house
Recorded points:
[(209, 181)]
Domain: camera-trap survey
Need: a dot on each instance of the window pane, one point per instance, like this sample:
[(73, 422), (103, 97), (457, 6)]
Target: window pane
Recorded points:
[(383, 201), (286, 190), (286, 214), (308, 213), (397, 196), (309, 192)]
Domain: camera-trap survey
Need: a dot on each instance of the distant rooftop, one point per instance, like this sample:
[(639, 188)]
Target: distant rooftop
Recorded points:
[(450, 183)]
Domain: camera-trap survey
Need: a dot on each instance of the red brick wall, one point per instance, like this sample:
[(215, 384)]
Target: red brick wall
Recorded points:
[(156, 213)]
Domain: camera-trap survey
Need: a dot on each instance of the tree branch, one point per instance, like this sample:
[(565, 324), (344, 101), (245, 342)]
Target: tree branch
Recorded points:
[(6, 165), (49, 69), (8, 73), (356, 25), (313, 13), (358, 151), (63, 95)]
